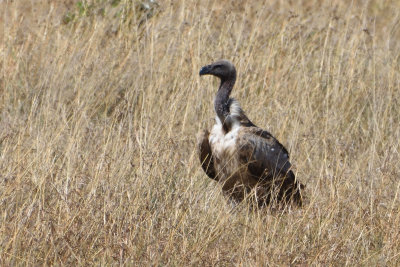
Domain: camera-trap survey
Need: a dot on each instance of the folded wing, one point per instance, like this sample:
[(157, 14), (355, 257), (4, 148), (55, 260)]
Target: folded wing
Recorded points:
[(265, 156), (205, 154), (268, 161)]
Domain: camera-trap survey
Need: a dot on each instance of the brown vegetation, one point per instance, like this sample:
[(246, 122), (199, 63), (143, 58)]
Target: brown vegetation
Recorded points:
[(100, 107)]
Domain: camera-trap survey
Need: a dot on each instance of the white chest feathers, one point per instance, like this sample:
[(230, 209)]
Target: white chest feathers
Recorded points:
[(222, 144)]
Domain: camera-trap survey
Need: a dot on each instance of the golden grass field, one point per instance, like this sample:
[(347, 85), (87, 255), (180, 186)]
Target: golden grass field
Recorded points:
[(100, 103)]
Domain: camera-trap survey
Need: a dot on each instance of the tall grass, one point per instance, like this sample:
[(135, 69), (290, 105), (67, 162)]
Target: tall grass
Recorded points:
[(99, 112)]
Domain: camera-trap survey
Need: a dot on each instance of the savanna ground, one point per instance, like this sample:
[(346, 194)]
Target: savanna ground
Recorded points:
[(100, 103)]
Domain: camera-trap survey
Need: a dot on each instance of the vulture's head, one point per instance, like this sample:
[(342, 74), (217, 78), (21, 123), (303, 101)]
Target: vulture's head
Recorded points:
[(223, 69)]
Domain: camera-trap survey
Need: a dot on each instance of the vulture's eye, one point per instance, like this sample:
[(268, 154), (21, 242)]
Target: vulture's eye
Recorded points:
[(217, 66)]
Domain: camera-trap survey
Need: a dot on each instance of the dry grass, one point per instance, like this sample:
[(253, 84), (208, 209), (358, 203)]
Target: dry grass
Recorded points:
[(99, 117)]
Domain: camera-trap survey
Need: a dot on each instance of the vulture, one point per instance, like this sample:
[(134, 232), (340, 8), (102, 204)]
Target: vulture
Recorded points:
[(246, 160)]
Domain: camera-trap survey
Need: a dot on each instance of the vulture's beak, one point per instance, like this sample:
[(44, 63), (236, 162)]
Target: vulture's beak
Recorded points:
[(205, 70)]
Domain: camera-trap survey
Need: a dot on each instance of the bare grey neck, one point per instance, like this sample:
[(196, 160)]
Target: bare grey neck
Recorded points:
[(221, 103)]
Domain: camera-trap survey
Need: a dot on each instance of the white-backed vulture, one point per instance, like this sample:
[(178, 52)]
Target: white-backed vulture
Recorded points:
[(247, 160)]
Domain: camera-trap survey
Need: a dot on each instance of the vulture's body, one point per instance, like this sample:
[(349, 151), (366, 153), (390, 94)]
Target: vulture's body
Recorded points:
[(246, 160)]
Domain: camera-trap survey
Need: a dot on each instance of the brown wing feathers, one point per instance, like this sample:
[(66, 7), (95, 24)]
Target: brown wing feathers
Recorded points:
[(205, 154)]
